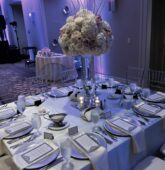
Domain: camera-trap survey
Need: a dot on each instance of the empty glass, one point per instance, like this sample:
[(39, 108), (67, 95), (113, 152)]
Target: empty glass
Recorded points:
[(36, 123), (95, 118), (133, 87), (66, 149), (21, 103), (146, 92)]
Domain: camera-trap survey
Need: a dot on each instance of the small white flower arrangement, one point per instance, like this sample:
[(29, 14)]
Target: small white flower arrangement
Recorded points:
[(85, 33)]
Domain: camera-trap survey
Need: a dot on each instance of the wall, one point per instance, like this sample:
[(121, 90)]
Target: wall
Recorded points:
[(130, 25), (18, 17), (126, 23), (35, 25)]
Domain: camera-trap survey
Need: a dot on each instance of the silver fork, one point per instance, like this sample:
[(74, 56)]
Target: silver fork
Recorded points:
[(31, 138)]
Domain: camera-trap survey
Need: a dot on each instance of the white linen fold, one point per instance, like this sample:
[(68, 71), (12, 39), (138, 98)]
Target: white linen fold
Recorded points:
[(98, 157), (136, 134)]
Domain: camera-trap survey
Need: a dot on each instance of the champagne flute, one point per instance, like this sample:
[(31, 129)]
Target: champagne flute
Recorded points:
[(36, 123), (65, 147)]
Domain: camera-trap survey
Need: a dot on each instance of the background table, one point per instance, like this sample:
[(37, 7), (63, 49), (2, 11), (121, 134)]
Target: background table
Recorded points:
[(51, 67)]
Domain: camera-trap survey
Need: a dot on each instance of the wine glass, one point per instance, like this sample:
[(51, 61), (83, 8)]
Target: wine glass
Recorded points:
[(95, 118), (65, 147), (36, 123)]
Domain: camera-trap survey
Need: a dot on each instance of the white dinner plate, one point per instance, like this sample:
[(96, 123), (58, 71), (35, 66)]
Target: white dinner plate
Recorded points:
[(22, 133), (42, 162)]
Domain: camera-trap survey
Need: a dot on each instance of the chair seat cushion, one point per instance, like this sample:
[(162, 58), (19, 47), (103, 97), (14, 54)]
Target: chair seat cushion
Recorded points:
[(151, 163)]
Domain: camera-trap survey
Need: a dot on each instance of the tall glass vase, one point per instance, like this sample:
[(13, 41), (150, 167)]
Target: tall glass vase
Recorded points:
[(88, 70)]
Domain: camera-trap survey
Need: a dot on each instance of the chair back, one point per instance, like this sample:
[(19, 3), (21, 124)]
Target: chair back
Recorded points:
[(135, 75), (157, 79)]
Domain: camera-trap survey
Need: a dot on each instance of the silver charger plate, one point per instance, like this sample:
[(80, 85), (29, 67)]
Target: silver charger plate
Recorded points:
[(97, 138), (22, 133), (47, 160)]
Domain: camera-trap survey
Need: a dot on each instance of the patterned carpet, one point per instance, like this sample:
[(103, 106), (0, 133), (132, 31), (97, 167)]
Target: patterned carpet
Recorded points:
[(16, 79)]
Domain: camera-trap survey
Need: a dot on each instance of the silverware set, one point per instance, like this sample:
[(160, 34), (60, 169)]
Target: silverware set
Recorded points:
[(31, 138)]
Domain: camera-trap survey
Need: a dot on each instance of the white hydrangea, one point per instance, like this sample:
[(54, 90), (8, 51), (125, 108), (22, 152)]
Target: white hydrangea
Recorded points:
[(85, 33)]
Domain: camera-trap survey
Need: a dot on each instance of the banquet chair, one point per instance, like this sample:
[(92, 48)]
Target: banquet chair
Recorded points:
[(68, 76), (156, 80), (151, 163), (28, 54), (135, 75)]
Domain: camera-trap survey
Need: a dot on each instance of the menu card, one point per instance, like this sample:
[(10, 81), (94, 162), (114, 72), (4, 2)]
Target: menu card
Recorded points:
[(17, 128), (86, 143), (35, 154), (124, 125), (149, 108), (157, 96)]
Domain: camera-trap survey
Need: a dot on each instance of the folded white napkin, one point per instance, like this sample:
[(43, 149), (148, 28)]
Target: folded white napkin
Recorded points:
[(137, 134), (34, 154), (86, 113), (65, 90), (6, 113), (30, 100), (74, 96), (98, 155)]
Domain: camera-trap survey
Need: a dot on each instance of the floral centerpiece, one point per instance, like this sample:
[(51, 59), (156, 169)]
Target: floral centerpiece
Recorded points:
[(85, 33)]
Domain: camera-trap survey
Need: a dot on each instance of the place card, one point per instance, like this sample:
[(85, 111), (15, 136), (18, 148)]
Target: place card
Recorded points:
[(48, 136), (73, 130)]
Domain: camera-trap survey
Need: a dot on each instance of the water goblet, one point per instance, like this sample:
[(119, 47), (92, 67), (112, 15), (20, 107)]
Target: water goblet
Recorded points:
[(146, 92), (36, 123), (127, 104), (21, 104), (66, 149), (95, 118), (133, 87)]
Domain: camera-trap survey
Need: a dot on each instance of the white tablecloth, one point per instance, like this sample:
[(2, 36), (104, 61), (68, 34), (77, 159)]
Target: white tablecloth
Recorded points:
[(120, 153), (51, 67)]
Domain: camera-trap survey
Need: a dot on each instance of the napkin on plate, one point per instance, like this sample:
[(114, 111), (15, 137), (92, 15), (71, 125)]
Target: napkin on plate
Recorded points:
[(17, 128), (34, 154), (74, 95), (97, 154), (86, 113), (34, 100), (6, 113), (136, 133), (14, 129)]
